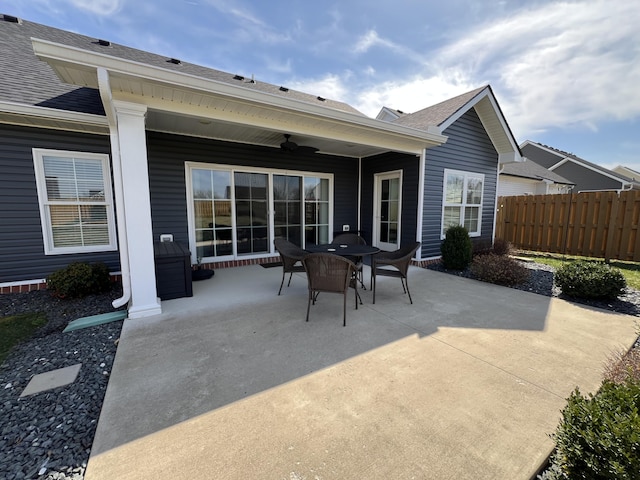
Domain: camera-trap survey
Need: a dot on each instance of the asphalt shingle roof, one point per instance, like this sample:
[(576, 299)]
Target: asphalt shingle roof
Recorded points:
[(585, 162), (530, 169), (27, 80), (439, 113)]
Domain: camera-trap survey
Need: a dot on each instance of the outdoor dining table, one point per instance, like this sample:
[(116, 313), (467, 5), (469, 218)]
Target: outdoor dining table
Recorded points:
[(350, 251), (343, 250)]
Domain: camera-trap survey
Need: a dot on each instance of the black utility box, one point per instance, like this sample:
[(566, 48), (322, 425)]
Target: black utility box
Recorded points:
[(173, 270)]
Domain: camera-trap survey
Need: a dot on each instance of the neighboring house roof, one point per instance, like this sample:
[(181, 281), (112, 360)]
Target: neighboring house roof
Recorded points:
[(439, 117), (530, 169), (628, 172), (564, 157), (389, 114)]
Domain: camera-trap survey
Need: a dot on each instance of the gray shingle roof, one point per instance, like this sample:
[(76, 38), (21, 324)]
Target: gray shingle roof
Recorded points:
[(530, 169), (27, 80), (436, 115), (585, 162)]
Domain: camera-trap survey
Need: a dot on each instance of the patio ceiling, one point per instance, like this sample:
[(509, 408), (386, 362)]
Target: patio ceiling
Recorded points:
[(192, 105)]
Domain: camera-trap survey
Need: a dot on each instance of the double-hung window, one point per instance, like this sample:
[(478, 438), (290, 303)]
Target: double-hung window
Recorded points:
[(76, 206), (462, 201)]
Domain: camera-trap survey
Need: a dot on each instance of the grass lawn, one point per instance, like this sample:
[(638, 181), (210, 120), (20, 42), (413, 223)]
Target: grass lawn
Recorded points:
[(630, 270), (16, 328)]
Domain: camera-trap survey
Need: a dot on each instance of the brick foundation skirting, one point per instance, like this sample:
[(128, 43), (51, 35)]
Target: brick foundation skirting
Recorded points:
[(29, 286)]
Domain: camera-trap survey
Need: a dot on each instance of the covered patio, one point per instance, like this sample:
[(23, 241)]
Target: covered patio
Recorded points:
[(232, 383)]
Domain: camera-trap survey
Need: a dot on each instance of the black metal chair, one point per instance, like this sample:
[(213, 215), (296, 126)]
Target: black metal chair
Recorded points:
[(330, 273), (393, 264), (291, 256), (352, 239)]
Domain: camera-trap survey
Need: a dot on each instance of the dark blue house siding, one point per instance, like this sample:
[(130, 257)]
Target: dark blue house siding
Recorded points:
[(468, 148), (21, 244), (410, 166), (168, 154)]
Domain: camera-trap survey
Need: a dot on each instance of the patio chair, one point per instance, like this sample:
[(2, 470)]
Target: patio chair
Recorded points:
[(352, 239), (291, 256), (393, 264), (330, 273)]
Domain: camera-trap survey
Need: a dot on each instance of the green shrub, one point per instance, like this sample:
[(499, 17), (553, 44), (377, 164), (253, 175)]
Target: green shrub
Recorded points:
[(79, 279), (499, 269), (599, 436), (584, 279), (456, 248)]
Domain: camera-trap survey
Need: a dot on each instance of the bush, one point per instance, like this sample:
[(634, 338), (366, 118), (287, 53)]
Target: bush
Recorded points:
[(599, 436), (501, 247), (499, 269), (79, 279), (583, 279), (456, 248)]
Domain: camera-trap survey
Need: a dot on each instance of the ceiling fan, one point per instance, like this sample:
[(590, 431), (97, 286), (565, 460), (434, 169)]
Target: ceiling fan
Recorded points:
[(289, 146)]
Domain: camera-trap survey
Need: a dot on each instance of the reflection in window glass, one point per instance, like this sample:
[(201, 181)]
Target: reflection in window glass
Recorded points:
[(316, 214), (251, 212), (76, 201), (212, 212), (462, 201), (233, 216)]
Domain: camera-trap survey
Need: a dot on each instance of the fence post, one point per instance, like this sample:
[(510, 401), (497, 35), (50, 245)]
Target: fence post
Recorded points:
[(613, 225)]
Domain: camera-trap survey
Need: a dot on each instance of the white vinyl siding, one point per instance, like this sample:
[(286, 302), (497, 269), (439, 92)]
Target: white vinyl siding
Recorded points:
[(76, 206), (462, 201)]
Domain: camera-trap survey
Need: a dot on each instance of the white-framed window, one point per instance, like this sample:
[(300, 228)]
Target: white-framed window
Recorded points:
[(236, 211), (462, 201), (76, 203)]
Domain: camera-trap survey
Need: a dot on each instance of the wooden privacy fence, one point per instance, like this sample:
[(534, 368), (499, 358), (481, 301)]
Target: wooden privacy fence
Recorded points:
[(590, 224)]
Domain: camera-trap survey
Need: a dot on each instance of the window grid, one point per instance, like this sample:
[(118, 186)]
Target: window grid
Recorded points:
[(462, 201), (74, 192)]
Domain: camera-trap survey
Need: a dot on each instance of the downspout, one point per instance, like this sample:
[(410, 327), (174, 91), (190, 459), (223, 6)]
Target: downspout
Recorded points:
[(360, 195), (499, 170), (421, 173), (107, 101)]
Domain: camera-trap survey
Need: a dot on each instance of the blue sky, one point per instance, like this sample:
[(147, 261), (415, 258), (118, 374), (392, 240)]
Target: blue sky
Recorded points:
[(566, 74)]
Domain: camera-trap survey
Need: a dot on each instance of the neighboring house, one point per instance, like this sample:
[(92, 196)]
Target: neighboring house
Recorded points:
[(585, 175), (104, 148), (628, 172), (529, 178)]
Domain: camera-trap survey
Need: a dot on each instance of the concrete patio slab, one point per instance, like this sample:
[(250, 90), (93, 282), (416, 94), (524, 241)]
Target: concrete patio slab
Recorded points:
[(465, 383)]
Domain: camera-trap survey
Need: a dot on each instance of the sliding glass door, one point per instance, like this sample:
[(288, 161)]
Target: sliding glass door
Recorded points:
[(251, 200), (236, 212), (287, 216)]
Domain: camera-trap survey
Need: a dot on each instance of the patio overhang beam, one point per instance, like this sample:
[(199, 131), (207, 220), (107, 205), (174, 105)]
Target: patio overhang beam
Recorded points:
[(166, 91)]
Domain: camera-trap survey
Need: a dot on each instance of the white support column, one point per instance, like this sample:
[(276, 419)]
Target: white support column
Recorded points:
[(137, 201)]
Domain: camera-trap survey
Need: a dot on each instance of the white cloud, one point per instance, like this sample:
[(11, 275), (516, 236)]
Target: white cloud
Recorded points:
[(561, 65), (249, 27), (330, 86), (410, 96), (98, 7)]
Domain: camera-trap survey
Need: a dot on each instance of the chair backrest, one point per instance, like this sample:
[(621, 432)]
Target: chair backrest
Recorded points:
[(348, 239), (327, 272), (289, 252), (401, 258)]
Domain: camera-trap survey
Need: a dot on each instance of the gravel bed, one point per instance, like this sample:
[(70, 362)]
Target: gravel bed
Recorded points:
[(541, 282), (49, 435)]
